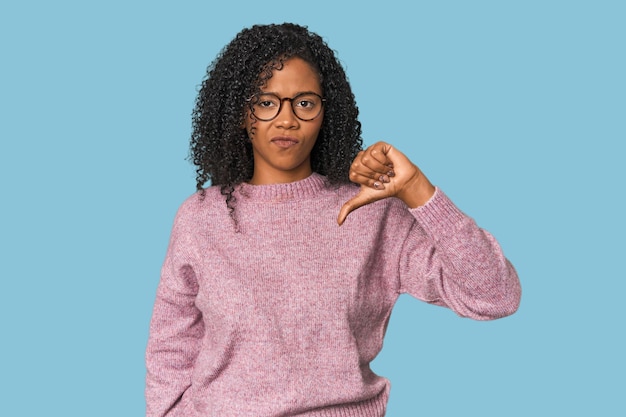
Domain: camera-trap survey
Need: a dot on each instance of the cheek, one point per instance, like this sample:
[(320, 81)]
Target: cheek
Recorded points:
[(317, 128)]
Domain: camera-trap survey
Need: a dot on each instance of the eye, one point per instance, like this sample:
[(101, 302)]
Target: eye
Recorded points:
[(267, 101), (305, 104), (307, 101)]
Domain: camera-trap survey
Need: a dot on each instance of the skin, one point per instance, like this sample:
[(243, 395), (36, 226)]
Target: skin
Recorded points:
[(383, 171), (282, 146), (282, 149)]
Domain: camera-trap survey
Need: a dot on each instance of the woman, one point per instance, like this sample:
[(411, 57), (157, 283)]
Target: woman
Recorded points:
[(268, 307)]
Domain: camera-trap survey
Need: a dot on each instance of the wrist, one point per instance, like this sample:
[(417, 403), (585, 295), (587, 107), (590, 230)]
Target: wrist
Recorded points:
[(417, 191)]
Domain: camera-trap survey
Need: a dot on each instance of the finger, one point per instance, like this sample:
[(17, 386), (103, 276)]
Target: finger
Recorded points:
[(369, 180), (361, 175), (365, 196), (349, 206), (375, 160), (369, 169)]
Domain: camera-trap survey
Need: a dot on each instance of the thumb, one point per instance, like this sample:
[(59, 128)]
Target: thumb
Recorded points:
[(365, 196)]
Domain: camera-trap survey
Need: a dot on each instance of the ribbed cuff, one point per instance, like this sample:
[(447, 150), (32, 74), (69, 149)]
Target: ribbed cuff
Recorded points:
[(439, 215), (374, 407)]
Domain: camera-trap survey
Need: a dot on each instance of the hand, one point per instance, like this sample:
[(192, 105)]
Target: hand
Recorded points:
[(383, 171)]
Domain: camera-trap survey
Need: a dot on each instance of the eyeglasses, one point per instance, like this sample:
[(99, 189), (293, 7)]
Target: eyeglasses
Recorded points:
[(306, 106)]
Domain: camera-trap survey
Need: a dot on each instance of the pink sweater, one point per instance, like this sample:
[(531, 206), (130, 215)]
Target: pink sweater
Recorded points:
[(284, 317)]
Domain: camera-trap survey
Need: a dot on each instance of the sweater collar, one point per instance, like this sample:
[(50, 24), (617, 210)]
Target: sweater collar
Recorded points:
[(298, 190)]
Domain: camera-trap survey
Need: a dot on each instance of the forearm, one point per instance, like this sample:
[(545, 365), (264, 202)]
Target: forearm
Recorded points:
[(175, 333), (466, 266)]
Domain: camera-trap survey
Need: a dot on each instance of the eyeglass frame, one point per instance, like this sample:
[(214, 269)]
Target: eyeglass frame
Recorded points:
[(251, 103)]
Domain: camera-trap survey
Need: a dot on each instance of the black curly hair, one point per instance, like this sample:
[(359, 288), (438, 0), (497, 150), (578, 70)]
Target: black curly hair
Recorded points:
[(220, 147)]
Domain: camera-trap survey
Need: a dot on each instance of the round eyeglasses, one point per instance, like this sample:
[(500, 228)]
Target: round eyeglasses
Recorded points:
[(306, 106)]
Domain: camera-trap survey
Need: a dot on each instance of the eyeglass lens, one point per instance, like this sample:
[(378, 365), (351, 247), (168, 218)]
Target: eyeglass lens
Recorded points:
[(306, 106)]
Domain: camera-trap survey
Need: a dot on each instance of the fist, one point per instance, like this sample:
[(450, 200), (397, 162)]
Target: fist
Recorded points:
[(383, 171)]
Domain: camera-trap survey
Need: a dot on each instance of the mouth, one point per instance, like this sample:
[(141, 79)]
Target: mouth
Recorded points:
[(284, 141)]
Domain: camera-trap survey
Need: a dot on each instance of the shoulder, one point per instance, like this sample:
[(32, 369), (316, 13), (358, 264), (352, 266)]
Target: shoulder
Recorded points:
[(199, 204)]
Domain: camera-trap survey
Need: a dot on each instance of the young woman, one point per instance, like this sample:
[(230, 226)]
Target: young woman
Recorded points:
[(280, 278)]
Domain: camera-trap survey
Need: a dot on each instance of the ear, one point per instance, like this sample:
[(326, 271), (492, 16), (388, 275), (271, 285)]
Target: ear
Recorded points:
[(245, 117), (248, 124), (250, 132)]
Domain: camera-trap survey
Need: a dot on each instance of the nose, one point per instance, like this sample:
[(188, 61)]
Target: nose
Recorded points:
[(286, 116)]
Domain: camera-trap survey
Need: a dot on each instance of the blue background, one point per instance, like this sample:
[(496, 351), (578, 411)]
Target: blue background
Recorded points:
[(516, 109)]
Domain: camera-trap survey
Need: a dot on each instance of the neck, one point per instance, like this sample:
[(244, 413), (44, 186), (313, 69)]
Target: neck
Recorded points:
[(310, 187), (262, 177)]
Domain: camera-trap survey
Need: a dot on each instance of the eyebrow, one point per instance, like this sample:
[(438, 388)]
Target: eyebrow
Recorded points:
[(295, 95)]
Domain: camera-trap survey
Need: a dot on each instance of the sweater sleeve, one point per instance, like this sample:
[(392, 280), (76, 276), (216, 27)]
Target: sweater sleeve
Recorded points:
[(458, 265), (176, 328)]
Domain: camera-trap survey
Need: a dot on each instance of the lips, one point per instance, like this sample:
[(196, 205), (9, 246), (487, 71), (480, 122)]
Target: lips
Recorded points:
[(284, 141)]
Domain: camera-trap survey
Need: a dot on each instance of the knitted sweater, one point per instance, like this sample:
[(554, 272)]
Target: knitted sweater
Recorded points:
[(284, 316)]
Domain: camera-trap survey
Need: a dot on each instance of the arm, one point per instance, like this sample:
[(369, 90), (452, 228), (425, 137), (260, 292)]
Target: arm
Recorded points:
[(458, 264), (176, 328)]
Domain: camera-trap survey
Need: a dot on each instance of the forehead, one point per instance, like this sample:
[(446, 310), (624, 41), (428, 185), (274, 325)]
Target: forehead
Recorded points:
[(295, 76)]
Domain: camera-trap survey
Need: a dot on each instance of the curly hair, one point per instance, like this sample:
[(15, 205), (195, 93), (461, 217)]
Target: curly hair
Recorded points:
[(220, 147)]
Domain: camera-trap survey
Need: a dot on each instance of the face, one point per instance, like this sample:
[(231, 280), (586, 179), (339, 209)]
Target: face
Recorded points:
[(282, 146)]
